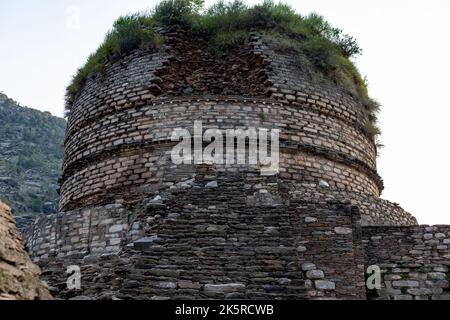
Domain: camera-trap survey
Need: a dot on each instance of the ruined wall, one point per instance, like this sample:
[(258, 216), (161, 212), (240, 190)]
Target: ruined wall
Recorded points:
[(108, 157), (141, 227), (118, 135), (330, 231), (199, 242), (294, 81), (414, 261), (19, 277), (84, 231), (373, 210)]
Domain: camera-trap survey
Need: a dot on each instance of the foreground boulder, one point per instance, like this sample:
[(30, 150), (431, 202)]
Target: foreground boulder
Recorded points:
[(19, 277)]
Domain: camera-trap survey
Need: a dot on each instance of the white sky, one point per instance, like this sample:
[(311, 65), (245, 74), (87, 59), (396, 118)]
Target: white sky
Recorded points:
[(406, 59)]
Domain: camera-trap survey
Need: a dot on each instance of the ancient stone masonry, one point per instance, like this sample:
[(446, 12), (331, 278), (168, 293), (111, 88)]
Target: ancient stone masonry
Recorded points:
[(144, 159), (19, 277), (414, 261), (291, 81), (141, 227), (202, 243)]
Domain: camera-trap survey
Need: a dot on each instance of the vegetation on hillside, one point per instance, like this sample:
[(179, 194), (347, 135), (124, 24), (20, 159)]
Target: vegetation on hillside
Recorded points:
[(31, 154), (229, 23)]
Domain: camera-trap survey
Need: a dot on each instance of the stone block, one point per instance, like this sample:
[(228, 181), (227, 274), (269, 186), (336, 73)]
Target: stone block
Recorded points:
[(405, 283), (145, 244), (437, 276), (315, 274), (224, 288), (343, 230), (166, 285), (325, 285), (308, 266)]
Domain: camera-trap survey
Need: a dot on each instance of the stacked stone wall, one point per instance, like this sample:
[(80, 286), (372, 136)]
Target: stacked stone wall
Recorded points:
[(133, 78), (155, 121), (105, 229), (201, 242), (291, 80), (414, 261), (373, 210), (132, 170), (112, 138), (330, 231), (95, 230)]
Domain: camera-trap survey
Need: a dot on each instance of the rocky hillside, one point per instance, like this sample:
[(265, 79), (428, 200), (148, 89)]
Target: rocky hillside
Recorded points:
[(19, 277), (31, 154)]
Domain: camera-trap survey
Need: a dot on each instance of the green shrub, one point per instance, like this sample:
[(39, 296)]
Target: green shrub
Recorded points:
[(317, 25), (223, 17), (229, 24), (223, 41), (129, 34), (320, 53), (170, 12)]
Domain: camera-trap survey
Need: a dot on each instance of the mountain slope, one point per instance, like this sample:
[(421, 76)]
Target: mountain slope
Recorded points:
[(31, 155)]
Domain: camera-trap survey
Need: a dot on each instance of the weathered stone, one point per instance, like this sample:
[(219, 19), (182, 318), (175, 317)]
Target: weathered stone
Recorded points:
[(155, 200), (403, 297), (145, 244), (315, 274), (166, 285), (437, 276), (441, 269), (116, 228), (284, 281), (419, 291), (325, 285), (173, 215), (212, 185), (189, 285), (308, 266), (405, 283), (342, 230), (324, 184), (224, 288), (438, 283)]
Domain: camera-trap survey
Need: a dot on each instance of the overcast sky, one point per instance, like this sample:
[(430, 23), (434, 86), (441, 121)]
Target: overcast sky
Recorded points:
[(406, 59)]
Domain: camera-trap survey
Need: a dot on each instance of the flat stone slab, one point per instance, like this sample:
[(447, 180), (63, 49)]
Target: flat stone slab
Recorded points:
[(224, 288), (145, 244)]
